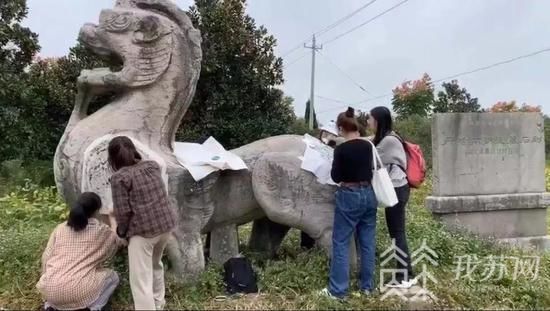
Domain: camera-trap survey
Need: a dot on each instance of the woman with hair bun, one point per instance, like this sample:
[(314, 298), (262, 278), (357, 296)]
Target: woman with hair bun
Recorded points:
[(356, 208)]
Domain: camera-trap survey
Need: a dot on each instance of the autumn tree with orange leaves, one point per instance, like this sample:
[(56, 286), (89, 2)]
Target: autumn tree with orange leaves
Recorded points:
[(414, 98)]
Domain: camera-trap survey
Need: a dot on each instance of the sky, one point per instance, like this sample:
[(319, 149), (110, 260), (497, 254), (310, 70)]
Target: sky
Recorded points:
[(439, 37)]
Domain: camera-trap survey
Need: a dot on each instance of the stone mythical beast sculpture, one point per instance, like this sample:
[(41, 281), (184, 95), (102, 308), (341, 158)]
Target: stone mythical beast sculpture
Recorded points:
[(161, 53)]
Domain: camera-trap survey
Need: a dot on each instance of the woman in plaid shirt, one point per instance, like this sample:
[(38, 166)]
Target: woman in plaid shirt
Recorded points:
[(144, 216), (72, 273)]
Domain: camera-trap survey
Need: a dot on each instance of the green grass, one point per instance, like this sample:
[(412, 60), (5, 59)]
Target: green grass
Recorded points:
[(29, 214)]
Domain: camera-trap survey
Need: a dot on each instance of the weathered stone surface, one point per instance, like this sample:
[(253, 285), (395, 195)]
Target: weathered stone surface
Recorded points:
[(492, 202), (500, 224), (539, 243), (274, 186), (487, 153), (162, 56), (224, 243), (488, 173)]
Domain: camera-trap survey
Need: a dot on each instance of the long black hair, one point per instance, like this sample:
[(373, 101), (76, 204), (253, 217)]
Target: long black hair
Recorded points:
[(86, 205), (122, 152), (384, 123)]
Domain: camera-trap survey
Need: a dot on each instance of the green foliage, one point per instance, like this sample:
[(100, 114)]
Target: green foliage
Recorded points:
[(292, 280), (18, 44), (37, 115), (31, 203), (455, 99), (300, 127), (236, 99), (41, 104), (413, 98), (362, 119), (306, 117), (21, 248), (511, 106), (16, 173), (418, 130)]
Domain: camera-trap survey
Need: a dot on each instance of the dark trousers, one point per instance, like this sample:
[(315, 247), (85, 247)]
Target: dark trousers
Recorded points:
[(395, 220), (306, 241)]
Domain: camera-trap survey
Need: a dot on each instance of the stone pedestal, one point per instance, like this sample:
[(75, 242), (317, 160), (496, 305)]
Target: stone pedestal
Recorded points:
[(488, 175), (224, 244)]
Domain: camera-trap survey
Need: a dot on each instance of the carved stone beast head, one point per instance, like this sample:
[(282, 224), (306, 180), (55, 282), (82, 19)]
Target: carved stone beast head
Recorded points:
[(143, 34)]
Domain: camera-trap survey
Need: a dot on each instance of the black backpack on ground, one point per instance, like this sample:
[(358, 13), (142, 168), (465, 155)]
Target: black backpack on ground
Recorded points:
[(239, 276)]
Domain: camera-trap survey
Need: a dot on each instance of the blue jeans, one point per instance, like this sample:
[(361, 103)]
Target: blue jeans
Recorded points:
[(355, 210)]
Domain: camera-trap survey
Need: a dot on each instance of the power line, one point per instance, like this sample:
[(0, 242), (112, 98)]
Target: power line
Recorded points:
[(366, 22), (331, 99), (329, 27), (343, 19), (493, 65), (356, 103), (345, 74), (483, 68), (295, 61)]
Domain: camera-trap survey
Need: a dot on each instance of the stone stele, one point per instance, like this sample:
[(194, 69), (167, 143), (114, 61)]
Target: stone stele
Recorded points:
[(488, 175)]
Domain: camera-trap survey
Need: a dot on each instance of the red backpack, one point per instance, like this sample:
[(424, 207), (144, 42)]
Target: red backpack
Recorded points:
[(416, 165)]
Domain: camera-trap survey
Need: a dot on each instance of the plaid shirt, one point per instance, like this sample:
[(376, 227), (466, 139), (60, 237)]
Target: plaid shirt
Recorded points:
[(72, 273), (140, 201)]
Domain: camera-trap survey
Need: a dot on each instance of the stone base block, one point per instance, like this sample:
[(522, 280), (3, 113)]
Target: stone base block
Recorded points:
[(539, 243), (496, 216), (483, 203), (500, 224)]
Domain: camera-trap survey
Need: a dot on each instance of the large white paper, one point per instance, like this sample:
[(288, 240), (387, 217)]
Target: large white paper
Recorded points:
[(203, 159), (317, 159)]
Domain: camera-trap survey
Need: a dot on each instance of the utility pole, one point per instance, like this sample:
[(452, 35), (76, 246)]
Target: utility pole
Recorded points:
[(313, 48)]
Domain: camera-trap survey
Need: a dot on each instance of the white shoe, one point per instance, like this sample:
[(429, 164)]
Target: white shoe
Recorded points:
[(326, 293), (413, 282), (404, 284)]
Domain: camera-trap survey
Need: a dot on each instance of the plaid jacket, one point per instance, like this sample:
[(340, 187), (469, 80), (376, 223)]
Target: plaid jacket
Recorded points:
[(72, 273), (140, 201)]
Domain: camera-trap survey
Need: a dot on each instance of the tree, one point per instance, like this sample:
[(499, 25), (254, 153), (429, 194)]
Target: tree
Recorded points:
[(43, 103), (455, 99), (362, 119), (511, 106), (306, 117), (236, 99), (18, 44), (413, 98)]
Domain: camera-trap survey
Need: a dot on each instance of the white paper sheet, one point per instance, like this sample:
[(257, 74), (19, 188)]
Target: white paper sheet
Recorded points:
[(317, 159), (202, 160)]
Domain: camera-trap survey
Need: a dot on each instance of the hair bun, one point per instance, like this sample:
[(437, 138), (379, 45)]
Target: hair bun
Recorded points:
[(350, 113)]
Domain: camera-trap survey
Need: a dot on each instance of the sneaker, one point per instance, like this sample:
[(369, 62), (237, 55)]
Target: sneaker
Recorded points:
[(366, 292), (326, 293), (404, 284)]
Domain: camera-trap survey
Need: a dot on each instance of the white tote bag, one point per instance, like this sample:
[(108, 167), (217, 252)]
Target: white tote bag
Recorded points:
[(381, 182)]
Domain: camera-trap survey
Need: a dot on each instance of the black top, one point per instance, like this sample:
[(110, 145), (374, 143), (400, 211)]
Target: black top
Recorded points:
[(352, 162)]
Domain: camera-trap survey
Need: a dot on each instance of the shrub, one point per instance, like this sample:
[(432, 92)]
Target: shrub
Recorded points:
[(31, 203), (418, 130)]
